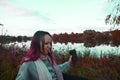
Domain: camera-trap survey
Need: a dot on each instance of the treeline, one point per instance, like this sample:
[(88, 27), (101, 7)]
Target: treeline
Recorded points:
[(90, 38), (9, 39)]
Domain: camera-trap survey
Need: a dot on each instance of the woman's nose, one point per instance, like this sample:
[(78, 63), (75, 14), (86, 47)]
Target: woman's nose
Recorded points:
[(49, 45)]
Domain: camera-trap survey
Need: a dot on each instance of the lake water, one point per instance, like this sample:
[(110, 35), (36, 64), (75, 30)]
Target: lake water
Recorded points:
[(79, 47)]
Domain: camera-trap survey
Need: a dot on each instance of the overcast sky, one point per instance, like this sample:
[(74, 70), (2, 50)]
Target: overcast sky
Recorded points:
[(24, 17)]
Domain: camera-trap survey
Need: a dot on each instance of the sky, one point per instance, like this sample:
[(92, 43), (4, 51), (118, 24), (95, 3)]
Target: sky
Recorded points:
[(25, 17)]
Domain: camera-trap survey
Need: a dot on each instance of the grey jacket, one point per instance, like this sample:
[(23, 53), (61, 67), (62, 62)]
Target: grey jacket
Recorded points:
[(28, 70)]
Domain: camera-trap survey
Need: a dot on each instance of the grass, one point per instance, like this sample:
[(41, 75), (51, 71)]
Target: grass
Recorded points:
[(91, 67)]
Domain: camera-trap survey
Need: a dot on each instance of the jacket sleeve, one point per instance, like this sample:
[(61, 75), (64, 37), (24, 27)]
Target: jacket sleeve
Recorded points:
[(65, 66), (27, 71)]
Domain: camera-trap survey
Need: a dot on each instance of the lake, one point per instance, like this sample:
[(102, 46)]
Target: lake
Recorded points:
[(79, 47)]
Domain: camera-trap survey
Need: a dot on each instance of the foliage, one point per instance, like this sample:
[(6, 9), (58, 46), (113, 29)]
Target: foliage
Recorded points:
[(9, 62), (90, 38), (9, 39), (114, 17), (107, 67)]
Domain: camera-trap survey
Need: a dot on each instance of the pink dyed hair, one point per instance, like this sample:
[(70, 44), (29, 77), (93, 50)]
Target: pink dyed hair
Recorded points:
[(34, 51)]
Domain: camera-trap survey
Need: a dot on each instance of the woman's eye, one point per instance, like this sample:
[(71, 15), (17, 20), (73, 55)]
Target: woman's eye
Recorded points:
[(46, 43)]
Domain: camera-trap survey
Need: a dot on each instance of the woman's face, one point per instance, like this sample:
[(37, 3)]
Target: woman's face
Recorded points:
[(47, 44)]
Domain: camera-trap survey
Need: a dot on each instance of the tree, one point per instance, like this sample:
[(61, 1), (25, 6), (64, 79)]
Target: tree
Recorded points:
[(1, 24), (113, 19)]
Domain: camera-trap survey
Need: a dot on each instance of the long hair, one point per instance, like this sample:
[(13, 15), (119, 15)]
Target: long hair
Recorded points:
[(34, 51)]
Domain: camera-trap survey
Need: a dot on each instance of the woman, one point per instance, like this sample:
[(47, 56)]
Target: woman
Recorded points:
[(39, 63)]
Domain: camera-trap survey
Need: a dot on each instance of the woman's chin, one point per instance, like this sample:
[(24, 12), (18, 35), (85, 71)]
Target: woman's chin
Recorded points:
[(46, 52)]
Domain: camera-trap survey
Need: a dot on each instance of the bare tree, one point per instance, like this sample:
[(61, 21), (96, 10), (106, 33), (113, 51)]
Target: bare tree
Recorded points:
[(1, 29), (113, 19)]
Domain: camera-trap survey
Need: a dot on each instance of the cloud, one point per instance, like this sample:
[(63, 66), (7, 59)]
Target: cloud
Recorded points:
[(27, 16), (9, 7), (12, 9)]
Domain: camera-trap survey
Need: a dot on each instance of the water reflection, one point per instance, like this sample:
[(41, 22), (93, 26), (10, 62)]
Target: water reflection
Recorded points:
[(80, 48)]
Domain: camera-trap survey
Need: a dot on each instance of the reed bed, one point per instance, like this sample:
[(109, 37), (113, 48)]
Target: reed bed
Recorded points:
[(106, 67)]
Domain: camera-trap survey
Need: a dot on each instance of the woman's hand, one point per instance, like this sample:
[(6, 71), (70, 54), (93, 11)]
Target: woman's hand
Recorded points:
[(70, 59)]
